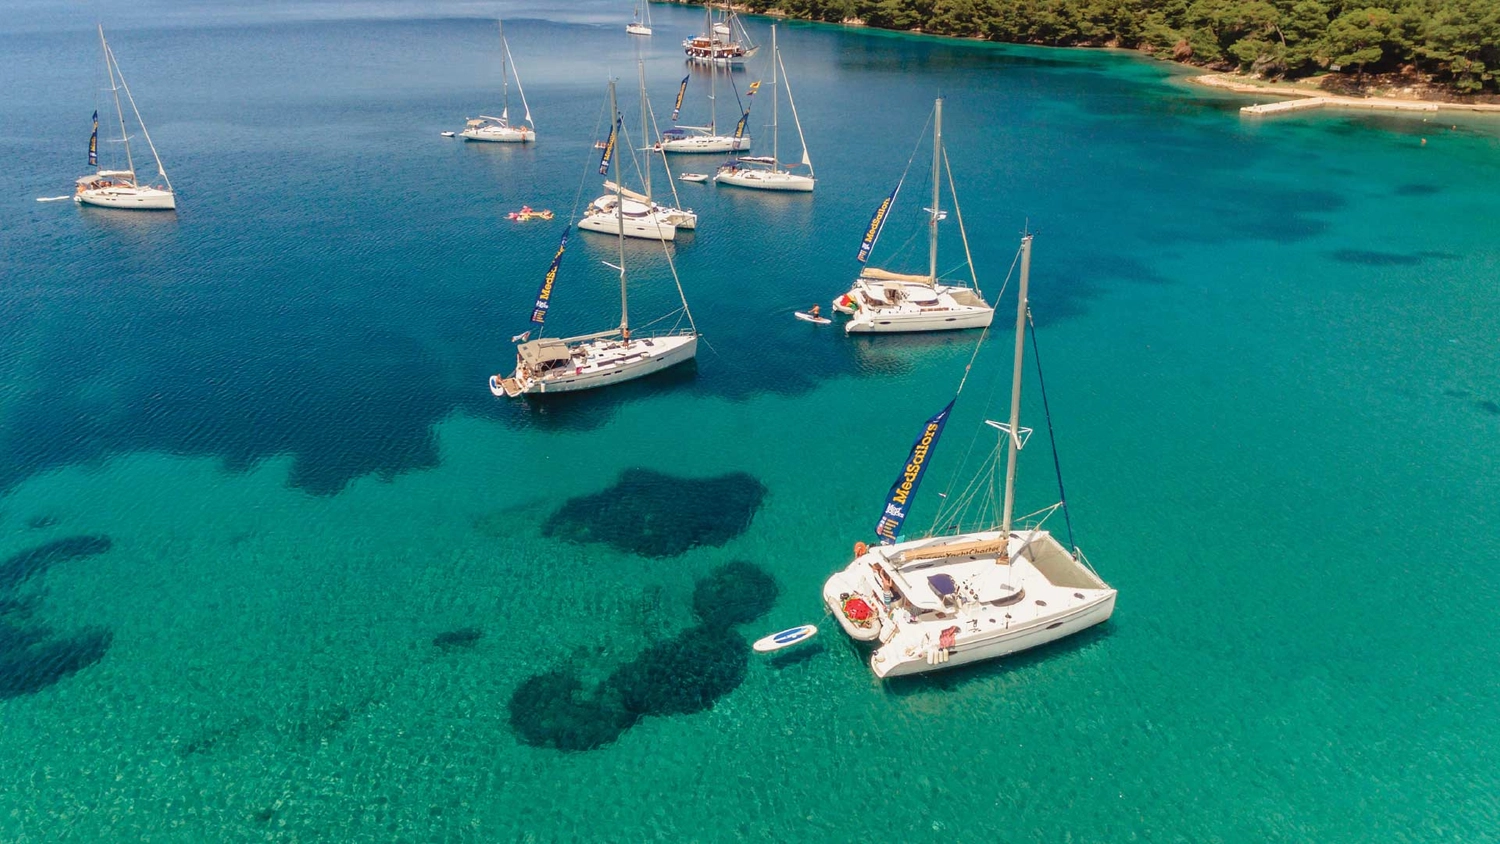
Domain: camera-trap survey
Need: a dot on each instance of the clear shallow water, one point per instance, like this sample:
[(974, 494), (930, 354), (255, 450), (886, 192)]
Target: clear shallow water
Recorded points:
[(1273, 364)]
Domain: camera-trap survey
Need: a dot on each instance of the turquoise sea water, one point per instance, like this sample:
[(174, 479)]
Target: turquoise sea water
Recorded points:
[(276, 566)]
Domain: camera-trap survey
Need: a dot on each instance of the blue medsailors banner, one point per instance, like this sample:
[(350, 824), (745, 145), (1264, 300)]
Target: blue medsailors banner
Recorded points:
[(609, 147), (898, 503), (877, 223), (677, 108), (544, 296), (94, 142)]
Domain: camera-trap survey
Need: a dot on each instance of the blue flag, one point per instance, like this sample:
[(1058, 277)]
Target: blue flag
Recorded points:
[(898, 503), (609, 147), (544, 296), (94, 142), (677, 109), (877, 223), (739, 128)]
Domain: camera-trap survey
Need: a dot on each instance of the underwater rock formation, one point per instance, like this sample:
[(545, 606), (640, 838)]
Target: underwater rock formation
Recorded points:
[(735, 593), (658, 515), (463, 637), (685, 674), (31, 658), (18, 567), (552, 710)]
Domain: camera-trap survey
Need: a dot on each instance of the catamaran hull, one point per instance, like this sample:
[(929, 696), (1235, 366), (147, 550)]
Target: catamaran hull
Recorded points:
[(499, 136), (647, 228), (706, 143), (766, 181), (1011, 641), (135, 199), (665, 352), (950, 320)]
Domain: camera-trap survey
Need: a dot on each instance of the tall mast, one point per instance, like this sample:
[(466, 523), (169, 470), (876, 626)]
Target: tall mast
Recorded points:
[(616, 125), (775, 100), (641, 66), (937, 154), (504, 75), (1015, 391), (114, 88), (713, 87)]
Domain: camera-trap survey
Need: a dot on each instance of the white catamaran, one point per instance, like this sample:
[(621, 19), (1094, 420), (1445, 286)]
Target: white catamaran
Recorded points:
[(612, 356), (621, 210), (726, 43), (950, 600), (704, 138), (883, 301), (500, 129), (767, 173), (641, 25), (117, 188)]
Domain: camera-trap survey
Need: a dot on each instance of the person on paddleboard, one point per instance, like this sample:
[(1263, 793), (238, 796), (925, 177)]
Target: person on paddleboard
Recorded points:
[(813, 312)]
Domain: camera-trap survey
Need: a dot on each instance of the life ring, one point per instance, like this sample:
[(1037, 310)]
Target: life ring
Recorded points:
[(860, 549)]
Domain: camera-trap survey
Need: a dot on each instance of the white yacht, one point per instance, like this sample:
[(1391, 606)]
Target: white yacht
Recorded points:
[(704, 139), (942, 601), (882, 301), (621, 210), (501, 129), (613, 356), (641, 24), (767, 173), (117, 188)]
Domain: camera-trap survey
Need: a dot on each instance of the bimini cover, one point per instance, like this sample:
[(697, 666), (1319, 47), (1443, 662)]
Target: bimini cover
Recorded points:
[(547, 351), (886, 275)]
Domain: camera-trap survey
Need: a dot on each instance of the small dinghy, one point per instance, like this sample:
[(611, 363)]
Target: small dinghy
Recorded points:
[(449, 134), (527, 214), (785, 639), (693, 177), (813, 318)]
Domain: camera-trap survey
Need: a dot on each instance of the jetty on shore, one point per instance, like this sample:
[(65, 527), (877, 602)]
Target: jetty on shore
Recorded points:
[(1305, 99)]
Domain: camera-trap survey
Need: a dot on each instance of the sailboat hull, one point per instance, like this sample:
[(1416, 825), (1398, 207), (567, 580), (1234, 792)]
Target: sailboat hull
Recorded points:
[(637, 29), (135, 199), (606, 362), (705, 143), (651, 227), (765, 180), (499, 135)]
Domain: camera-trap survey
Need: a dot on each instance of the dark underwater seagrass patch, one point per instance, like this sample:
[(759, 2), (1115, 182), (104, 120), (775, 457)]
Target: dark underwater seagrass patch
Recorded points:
[(683, 675), (33, 655), (659, 515)]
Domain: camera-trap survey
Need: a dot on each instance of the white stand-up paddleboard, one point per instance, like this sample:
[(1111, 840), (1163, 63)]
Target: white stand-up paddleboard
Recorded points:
[(52, 198), (786, 638), (816, 320)]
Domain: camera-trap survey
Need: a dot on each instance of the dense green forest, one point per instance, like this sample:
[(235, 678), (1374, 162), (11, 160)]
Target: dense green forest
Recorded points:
[(1454, 42)]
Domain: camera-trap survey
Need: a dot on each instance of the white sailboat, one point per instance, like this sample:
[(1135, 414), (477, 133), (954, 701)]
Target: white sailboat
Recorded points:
[(615, 355), (621, 210), (641, 25), (725, 43), (951, 600), (703, 139), (500, 129), (767, 173), (116, 188), (882, 301)]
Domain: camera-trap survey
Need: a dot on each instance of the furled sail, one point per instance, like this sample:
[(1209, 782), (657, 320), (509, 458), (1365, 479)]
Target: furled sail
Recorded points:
[(898, 502)]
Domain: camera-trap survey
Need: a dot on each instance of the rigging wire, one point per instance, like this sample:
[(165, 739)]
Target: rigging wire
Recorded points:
[(1047, 412)]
